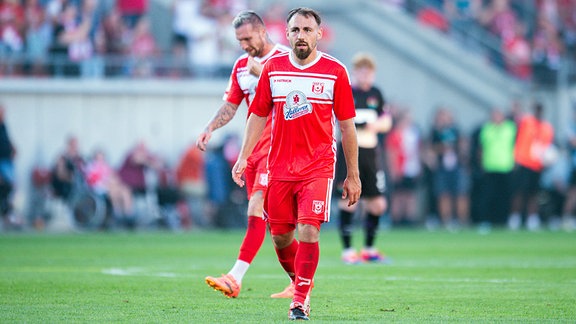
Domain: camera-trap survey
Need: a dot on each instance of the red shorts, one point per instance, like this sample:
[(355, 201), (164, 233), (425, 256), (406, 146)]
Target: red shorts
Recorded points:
[(256, 177), (290, 202)]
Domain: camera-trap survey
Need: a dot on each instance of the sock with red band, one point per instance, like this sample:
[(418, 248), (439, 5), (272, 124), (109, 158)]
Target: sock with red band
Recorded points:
[(306, 263)]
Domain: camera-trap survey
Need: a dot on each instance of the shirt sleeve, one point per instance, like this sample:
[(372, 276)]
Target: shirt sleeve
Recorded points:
[(262, 103), (234, 93), (343, 98)]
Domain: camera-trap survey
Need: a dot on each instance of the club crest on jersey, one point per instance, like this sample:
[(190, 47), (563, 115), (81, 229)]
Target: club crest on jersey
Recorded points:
[(317, 206), (297, 105), (263, 179), (317, 87)]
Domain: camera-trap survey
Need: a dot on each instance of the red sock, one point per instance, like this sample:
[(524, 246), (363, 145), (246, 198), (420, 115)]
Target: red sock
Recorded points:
[(286, 257), (305, 263), (255, 234)]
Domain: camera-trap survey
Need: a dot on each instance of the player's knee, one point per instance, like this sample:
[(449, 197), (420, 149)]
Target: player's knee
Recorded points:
[(309, 231), (282, 240), (256, 204), (377, 206)]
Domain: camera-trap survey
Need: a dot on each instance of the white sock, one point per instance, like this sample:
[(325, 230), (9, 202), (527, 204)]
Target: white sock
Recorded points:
[(239, 270)]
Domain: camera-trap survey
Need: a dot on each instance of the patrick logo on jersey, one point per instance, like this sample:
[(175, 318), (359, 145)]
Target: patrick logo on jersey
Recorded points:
[(297, 105)]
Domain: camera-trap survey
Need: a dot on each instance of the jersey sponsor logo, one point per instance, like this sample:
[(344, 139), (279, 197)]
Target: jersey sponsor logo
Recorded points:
[(317, 206), (297, 105), (317, 87)]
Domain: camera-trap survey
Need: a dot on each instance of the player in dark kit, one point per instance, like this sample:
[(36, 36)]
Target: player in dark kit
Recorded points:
[(371, 120)]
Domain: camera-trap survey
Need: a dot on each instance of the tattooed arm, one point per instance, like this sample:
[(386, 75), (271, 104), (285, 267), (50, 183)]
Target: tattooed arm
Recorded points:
[(222, 117)]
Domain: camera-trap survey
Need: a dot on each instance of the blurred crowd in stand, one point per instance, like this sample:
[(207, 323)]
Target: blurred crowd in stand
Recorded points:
[(528, 38), (143, 192), (511, 171), (115, 38)]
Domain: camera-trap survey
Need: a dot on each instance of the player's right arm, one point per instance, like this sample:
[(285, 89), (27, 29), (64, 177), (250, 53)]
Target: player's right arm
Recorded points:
[(224, 115)]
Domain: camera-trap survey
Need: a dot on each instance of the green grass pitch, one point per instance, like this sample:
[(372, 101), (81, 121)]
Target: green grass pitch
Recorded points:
[(158, 277)]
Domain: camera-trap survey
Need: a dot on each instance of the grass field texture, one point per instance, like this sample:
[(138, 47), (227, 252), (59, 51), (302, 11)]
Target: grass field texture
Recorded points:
[(157, 277)]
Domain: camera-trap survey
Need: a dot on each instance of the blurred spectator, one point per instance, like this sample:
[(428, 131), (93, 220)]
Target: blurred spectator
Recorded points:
[(518, 54), (192, 183), (535, 136), (451, 182), (227, 44), (226, 199), (71, 43), (142, 49), (547, 50), (569, 208), (168, 198), (183, 12), (11, 38), (496, 141), (106, 183), (138, 161), (68, 167), (403, 146), (131, 11), (37, 39), (139, 172), (203, 43), (554, 186), (7, 176), (92, 64), (114, 41), (499, 18)]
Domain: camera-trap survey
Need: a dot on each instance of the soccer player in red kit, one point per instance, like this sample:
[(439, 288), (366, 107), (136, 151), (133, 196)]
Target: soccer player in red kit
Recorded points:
[(305, 91), (253, 38)]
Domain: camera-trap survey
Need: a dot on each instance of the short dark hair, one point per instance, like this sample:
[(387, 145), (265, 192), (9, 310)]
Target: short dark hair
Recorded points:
[(306, 12), (247, 17)]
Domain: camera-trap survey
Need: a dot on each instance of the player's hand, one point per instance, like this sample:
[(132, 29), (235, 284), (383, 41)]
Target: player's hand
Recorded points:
[(203, 140), (351, 189), (238, 171), (255, 68)]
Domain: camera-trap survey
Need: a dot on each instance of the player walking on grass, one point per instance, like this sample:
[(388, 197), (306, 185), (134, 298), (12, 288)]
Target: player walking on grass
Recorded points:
[(253, 38), (304, 90), (371, 120)]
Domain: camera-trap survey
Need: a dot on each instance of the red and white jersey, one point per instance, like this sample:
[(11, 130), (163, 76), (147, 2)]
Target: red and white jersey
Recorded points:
[(305, 102), (242, 87)]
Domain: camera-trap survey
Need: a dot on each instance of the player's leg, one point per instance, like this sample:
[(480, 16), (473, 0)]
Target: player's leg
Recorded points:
[(231, 283), (346, 228), (345, 213), (373, 194), (313, 199), (282, 224), (375, 208)]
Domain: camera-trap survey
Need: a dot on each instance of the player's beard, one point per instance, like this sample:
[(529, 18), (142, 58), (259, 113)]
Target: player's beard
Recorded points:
[(302, 53), (254, 52)]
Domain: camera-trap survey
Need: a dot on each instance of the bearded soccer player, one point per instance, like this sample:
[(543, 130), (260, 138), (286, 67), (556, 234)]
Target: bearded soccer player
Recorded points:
[(305, 91), (253, 38)]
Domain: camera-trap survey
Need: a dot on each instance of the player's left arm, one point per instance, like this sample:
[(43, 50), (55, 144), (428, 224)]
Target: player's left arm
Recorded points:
[(384, 122), (352, 187), (252, 134)]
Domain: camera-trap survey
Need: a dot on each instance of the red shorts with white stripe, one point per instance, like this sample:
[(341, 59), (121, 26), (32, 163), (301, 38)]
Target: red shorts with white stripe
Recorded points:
[(291, 202), (256, 176)]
